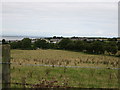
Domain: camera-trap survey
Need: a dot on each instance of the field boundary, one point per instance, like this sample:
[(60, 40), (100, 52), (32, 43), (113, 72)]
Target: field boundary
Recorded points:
[(64, 66)]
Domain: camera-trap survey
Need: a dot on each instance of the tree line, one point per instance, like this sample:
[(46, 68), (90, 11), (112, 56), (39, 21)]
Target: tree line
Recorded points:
[(26, 44), (94, 47)]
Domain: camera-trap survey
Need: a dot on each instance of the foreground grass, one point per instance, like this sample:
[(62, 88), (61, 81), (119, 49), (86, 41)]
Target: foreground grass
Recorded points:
[(69, 77)]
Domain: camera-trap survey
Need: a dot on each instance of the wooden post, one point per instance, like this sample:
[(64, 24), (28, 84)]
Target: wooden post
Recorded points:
[(119, 73), (119, 36), (6, 66), (0, 67)]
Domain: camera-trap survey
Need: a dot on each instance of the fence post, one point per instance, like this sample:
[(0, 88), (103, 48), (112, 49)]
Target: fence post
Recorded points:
[(6, 66)]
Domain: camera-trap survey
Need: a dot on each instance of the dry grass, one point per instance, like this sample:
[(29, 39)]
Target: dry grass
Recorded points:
[(61, 57), (72, 77), (61, 76)]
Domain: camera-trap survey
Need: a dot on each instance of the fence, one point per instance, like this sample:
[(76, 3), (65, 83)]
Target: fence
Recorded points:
[(66, 66), (5, 66), (6, 69)]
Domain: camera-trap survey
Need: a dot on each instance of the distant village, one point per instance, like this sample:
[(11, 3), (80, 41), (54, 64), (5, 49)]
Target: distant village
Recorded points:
[(55, 39)]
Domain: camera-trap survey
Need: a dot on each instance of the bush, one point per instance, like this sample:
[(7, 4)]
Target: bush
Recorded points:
[(111, 47)]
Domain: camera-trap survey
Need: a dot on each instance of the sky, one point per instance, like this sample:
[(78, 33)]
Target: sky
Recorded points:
[(60, 18)]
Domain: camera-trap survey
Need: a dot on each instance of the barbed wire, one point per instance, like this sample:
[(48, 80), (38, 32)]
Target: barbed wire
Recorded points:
[(39, 85), (61, 66)]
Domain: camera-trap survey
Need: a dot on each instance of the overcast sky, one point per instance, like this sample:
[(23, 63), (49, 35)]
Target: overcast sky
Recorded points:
[(60, 18)]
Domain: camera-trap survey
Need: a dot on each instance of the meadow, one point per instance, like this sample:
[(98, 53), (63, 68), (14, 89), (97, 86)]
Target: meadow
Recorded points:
[(45, 76)]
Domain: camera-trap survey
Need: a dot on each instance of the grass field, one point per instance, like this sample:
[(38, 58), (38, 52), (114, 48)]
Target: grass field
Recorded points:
[(62, 76)]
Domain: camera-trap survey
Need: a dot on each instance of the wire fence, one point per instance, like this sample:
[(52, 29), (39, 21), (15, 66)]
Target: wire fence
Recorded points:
[(6, 71), (61, 66), (48, 85), (40, 85)]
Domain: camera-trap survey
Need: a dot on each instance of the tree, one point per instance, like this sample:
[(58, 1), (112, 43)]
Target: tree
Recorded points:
[(98, 47), (118, 45), (4, 41), (26, 43), (54, 37), (16, 45), (88, 47), (41, 44), (71, 46), (111, 47), (112, 39), (79, 45), (64, 42)]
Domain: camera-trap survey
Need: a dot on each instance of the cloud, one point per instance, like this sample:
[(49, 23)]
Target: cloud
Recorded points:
[(60, 18), (59, 0)]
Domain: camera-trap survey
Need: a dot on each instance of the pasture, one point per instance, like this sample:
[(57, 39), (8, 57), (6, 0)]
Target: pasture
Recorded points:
[(63, 76)]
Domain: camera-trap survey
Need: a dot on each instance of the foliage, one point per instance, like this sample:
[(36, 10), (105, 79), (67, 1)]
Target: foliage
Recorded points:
[(118, 45), (4, 42), (16, 45), (111, 47), (64, 43), (94, 47), (26, 43), (23, 44), (79, 45), (98, 47), (40, 44), (112, 39)]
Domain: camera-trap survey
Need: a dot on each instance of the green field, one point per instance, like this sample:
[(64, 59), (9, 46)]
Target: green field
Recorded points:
[(63, 76)]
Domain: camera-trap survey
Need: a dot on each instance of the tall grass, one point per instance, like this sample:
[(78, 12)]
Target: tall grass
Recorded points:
[(42, 76)]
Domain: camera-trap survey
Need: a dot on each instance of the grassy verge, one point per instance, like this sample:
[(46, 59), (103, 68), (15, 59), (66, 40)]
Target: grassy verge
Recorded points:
[(61, 57), (70, 77), (61, 76)]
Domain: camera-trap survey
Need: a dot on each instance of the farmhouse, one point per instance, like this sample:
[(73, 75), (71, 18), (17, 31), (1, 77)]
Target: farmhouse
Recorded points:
[(55, 40)]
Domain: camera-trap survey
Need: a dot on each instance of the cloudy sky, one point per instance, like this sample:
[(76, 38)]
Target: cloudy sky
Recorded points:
[(60, 18)]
